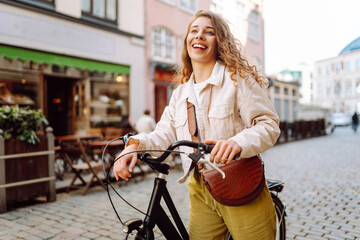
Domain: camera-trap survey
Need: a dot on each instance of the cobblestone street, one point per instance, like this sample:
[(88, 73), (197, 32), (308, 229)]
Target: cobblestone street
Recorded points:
[(322, 196)]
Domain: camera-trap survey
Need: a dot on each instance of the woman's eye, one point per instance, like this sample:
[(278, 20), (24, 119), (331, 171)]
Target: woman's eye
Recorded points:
[(193, 31), (211, 33)]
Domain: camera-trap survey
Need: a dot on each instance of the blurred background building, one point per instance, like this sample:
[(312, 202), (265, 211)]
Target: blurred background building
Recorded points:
[(166, 22), (87, 63), (82, 61), (246, 21), (337, 80)]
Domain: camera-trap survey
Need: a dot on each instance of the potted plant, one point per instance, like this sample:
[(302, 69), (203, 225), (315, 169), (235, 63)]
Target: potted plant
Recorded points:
[(26, 156), (21, 123)]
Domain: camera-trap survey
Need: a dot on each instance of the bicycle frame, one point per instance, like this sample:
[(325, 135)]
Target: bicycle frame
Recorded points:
[(157, 216)]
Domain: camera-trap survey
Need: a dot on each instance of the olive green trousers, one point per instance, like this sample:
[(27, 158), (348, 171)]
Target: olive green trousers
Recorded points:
[(209, 219)]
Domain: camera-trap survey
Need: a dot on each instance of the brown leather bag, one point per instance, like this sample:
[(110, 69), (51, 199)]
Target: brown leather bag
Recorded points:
[(244, 179)]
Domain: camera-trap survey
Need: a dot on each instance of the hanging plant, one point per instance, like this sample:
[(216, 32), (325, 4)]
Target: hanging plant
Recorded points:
[(21, 122)]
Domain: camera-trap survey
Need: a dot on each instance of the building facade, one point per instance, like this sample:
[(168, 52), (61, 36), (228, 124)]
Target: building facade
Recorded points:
[(303, 74), (166, 26), (80, 61), (247, 24), (337, 80), (285, 97)]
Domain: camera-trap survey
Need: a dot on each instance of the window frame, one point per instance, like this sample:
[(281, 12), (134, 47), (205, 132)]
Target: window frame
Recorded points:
[(170, 2), (254, 26), (184, 5), (90, 16), (44, 4), (160, 45)]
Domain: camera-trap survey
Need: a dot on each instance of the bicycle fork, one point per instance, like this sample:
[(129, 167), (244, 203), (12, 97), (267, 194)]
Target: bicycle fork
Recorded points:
[(156, 215)]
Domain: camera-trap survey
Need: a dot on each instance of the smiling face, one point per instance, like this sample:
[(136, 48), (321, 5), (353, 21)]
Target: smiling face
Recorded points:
[(201, 41)]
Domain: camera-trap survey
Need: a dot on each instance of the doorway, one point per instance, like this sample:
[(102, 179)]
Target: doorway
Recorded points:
[(59, 104)]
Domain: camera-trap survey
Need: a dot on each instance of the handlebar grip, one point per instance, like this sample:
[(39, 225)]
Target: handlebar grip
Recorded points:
[(209, 148)]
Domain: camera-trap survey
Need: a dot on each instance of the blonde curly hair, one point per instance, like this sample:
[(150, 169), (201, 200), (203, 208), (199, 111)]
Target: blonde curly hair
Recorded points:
[(228, 52)]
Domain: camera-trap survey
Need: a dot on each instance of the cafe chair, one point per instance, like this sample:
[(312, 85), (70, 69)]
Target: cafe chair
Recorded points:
[(73, 150)]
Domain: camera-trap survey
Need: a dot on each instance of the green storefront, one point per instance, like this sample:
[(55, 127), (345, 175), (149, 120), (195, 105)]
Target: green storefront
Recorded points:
[(77, 95)]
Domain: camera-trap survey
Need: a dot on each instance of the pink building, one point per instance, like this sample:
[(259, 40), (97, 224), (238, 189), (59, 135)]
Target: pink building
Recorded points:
[(165, 26), (247, 24)]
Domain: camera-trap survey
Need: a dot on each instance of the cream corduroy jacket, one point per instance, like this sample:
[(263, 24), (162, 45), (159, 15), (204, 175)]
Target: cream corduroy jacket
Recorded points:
[(243, 113)]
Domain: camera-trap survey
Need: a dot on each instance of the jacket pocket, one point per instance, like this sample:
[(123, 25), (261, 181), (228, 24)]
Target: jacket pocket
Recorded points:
[(221, 119), (180, 126)]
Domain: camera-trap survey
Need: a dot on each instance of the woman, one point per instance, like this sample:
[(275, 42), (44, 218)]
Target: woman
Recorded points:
[(232, 111)]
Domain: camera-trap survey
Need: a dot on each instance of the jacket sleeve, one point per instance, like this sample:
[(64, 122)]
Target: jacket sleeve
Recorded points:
[(164, 133), (259, 117)]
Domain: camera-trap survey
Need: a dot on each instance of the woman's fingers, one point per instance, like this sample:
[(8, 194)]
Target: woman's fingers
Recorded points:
[(132, 163), (214, 150), (120, 166), (224, 150)]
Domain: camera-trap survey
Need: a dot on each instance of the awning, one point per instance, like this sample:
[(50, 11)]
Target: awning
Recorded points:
[(62, 60)]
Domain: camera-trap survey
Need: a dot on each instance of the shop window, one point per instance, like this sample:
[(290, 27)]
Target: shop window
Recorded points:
[(162, 45), (100, 9), (109, 102), (21, 90)]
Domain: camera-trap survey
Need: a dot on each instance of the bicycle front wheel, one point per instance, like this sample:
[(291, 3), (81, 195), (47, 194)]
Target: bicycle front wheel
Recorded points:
[(280, 218)]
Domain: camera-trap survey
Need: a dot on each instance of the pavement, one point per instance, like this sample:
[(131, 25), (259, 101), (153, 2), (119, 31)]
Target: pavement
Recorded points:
[(322, 197)]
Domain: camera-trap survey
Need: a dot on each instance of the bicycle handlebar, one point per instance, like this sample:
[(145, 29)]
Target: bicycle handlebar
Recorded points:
[(202, 148)]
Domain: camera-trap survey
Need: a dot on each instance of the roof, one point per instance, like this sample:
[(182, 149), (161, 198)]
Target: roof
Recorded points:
[(353, 46)]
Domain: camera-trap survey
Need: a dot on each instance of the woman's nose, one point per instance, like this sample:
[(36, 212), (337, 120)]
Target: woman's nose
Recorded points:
[(200, 35)]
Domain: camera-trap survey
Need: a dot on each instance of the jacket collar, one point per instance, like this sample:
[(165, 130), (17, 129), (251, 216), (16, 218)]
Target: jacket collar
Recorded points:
[(216, 79)]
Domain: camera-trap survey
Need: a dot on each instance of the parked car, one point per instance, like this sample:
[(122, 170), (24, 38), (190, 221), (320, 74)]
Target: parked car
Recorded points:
[(340, 120)]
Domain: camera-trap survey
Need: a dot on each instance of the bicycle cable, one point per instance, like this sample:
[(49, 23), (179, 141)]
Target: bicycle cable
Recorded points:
[(107, 174)]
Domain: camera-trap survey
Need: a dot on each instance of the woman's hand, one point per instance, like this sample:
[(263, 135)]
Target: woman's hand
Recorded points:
[(224, 150), (119, 168)]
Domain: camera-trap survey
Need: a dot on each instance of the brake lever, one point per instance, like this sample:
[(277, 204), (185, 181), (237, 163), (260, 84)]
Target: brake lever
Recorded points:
[(197, 158), (206, 161)]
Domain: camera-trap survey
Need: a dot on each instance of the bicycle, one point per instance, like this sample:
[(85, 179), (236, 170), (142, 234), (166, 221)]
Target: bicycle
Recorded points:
[(156, 215)]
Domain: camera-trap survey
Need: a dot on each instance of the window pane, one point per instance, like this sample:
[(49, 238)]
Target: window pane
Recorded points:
[(189, 4), (99, 8), (168, 45), (286, 110), (111, 10), (157, 42), (277, 106), (85, 5), (254, 31)]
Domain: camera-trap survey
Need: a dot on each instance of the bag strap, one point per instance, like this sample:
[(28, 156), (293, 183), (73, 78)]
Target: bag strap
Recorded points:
[(192, 122)]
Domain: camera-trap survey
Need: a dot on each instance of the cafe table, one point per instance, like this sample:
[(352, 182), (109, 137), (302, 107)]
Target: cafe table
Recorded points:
[(97, 147)]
